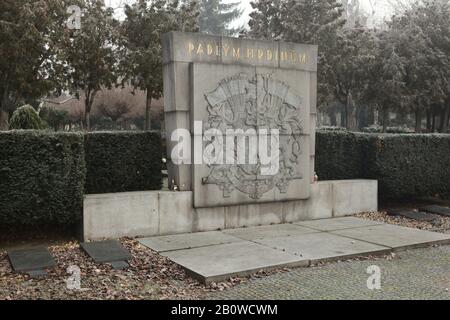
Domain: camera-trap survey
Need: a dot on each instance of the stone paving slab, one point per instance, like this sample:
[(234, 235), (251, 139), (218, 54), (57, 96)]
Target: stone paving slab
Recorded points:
[(443, 211), (220, 262), (187, 241), (323, 246), (33, 259), (106, 251), (217, 256), (395, 237), (411, 214), (269, 232), (337, 223)]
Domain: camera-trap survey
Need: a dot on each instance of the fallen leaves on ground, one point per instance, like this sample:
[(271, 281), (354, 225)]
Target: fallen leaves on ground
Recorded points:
[(440, 224), (150, 276)]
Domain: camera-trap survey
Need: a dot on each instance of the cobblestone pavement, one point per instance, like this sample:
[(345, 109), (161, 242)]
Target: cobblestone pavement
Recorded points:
[(414, 274)]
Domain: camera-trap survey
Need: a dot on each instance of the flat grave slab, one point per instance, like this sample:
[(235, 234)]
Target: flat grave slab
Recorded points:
[(395, 237), (443, 211), (269, 232), (187, 241), (106, 251), (323, 246), (220, 262), (119, 265), (338, 223), (411, 214), (33, 260)]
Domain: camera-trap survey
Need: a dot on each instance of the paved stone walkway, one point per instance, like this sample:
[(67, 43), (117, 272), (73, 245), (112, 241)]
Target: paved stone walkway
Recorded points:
[(218, 255), (414, 274)]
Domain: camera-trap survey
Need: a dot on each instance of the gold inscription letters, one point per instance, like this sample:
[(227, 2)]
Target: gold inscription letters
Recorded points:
[(211, 49)]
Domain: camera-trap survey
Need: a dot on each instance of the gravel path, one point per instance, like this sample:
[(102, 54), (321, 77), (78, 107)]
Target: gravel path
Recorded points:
[(416, 274)]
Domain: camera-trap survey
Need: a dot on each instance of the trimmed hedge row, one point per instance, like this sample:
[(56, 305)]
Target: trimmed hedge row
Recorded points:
[(405, 165), (44, 175), (123, 161), (41, 178)]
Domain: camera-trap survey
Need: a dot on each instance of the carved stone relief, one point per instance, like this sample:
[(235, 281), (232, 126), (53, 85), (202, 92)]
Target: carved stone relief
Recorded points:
[(255, 102)]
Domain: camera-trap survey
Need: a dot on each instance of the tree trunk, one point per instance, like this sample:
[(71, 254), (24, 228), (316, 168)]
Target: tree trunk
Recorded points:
[(4, 115), (148, 106), (87, 120), (442, 120), (447, 120), (433, 120), (418, 126), (428, 120), (351, 113), (343, 117), (376, 117), (385, 119), (333, 120), (4, 120)]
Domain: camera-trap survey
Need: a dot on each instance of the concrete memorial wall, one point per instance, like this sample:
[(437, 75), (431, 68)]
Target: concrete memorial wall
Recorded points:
[(247, 86)]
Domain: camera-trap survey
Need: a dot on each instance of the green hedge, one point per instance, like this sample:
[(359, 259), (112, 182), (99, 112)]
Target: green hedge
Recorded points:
[(43, 175), (410, 165), (340, 155), (123, 161), (405, 165), (41, 178)]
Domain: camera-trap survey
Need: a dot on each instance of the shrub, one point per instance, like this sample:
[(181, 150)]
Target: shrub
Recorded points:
[(41, 178), (54, 118), (123, 161), (25, 117), (405, 165)]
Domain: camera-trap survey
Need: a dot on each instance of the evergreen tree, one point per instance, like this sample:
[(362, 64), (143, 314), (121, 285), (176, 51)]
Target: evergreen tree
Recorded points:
[(29, 33), (216, 16), (26, 118), (308, 21), (350, 66)]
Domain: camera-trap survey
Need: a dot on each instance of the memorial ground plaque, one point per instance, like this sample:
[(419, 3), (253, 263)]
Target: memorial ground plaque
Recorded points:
[(242, 89)]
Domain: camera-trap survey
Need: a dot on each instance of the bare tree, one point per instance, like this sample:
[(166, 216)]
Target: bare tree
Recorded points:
[(115, 111)]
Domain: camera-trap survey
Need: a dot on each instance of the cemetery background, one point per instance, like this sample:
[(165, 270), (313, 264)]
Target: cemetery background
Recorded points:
[(53, 171)]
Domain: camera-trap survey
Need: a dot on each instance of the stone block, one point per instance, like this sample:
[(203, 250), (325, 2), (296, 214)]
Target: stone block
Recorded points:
[(313, 92), (111, 216), (177, 215), (180, 176), (354, 196), (318, 206), (253, 215), (176, 76)]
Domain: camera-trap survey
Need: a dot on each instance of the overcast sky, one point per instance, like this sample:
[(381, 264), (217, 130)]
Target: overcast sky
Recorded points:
[(381, 7)]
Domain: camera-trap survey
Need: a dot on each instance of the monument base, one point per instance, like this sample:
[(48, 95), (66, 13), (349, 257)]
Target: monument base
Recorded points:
[(153, 213)]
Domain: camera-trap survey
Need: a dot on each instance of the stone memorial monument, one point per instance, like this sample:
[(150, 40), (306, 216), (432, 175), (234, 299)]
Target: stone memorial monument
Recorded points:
[(247, 86), (240, 88)]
